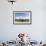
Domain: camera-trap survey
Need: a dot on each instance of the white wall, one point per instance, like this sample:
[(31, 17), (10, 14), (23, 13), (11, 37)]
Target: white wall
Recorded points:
[(9, 31)]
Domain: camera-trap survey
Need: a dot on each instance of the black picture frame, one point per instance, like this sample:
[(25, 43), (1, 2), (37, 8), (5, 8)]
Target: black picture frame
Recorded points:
[(22, 21)]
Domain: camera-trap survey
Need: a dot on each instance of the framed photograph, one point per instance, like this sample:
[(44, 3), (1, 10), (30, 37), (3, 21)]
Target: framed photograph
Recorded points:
[(22, 17)]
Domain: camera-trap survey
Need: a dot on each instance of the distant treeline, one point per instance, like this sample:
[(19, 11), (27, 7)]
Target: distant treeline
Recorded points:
[(22, 20)]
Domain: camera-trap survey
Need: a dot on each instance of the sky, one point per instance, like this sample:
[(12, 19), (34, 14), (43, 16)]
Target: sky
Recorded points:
[(23, 14)]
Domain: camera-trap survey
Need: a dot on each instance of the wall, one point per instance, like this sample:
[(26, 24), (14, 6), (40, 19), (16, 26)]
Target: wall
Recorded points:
[(9, 31)]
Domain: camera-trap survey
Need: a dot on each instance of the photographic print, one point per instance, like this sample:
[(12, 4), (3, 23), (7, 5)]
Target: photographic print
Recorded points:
[(22, 17)]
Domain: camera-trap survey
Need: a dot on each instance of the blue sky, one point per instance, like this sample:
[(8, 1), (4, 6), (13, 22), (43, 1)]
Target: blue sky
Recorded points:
[(20, 14)]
